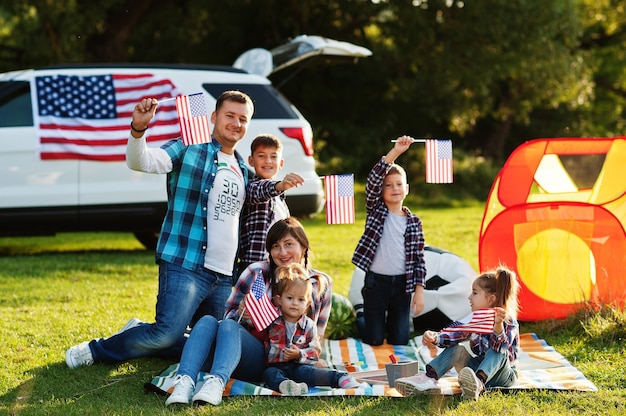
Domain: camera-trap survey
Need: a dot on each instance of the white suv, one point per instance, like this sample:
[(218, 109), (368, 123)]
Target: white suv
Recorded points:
[(46, 188)]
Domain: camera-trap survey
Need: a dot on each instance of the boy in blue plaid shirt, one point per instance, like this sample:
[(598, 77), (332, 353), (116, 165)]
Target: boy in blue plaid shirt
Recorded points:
[(292, 345), (265, 199)]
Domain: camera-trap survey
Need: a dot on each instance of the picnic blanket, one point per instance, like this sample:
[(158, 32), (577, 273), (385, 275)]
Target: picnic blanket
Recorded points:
[(540, 367)]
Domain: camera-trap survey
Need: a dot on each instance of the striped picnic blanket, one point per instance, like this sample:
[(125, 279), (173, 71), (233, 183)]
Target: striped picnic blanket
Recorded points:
[(540, 367)]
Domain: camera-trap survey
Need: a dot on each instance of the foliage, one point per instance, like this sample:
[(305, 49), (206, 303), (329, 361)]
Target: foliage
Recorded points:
[(488, 74)]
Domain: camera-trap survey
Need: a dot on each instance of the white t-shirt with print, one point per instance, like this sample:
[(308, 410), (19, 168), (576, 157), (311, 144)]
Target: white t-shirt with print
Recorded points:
[(226, 199)]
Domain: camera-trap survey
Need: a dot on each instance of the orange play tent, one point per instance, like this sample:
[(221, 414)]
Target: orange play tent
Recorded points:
[(556, 214)]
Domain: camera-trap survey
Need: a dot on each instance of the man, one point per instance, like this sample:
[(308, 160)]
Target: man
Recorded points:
[(197, 248)]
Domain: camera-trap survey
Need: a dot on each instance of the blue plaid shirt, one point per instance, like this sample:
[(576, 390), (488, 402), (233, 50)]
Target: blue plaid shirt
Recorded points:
[(377, 212), (183, 236)]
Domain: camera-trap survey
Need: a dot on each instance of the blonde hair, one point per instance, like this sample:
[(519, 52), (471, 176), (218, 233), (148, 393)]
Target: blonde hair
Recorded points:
[(502, 283), (293, 275)]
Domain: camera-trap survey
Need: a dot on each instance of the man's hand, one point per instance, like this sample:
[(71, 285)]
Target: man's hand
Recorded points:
[(143, 113)]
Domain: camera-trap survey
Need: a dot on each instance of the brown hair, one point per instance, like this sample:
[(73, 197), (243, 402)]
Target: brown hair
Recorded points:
[(501, 282), (236, 96), (265, 140), (396, 169), (281, 228), (290, 226)]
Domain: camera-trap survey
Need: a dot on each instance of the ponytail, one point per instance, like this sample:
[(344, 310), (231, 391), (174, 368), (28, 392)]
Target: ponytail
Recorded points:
[(502, 283)]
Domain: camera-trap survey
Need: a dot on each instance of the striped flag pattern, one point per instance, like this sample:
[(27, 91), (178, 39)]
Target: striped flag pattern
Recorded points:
[(481, 321), (193, 119), (339, 199), (438, 161), (88, 117), (260, 308)]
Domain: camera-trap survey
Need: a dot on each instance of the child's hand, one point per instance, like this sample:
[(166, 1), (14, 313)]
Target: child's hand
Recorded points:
[(417, 302), (403, 143), (291, 353), (429, 337), (291, 180), (500, 315)]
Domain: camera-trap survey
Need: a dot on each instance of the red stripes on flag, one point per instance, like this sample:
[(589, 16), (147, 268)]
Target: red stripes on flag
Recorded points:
[(96, 123), (481, 321), (339, 199), (260, 308), (193, 119), (438, 161)]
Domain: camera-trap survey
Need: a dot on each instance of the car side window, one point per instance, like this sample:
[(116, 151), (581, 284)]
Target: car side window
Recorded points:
[(268, 102), (16, 109)]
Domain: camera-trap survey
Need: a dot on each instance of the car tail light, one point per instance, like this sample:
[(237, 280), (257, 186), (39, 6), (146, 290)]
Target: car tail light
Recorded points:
[(305, 136)]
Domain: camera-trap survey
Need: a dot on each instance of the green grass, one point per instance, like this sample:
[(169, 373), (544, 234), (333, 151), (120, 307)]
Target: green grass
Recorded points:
[(58, 291)]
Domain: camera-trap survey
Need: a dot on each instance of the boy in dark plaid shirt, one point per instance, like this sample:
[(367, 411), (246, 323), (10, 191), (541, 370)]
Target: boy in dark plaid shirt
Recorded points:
[(391, 252), (265, 198), (292, 345)]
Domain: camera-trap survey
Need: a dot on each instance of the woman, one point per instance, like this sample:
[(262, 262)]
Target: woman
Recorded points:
[(237, 349)]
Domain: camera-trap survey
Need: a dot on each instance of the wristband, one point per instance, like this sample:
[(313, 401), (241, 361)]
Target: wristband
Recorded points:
[(137, 130)]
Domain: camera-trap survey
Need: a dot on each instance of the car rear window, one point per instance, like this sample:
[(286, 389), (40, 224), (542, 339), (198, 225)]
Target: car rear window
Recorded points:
[(15, 106), (268, 102)]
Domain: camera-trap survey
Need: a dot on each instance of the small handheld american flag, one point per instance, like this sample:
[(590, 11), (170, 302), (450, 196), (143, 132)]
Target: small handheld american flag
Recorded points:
[(193, 119), (481, 321), (438, 161), (260, 308), (339, 199)]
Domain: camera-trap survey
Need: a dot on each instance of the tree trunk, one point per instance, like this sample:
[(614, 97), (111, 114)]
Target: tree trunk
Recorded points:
[(112, 44)]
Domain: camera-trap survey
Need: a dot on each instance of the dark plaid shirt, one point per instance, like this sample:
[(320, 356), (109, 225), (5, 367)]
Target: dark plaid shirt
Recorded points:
[(258, 214), (377, 212)]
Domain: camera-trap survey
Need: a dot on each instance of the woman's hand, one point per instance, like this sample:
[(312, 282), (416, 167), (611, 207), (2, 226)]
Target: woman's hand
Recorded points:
[(242, 311)]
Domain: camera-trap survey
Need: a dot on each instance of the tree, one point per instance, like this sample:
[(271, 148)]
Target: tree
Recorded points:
[(488, 74)]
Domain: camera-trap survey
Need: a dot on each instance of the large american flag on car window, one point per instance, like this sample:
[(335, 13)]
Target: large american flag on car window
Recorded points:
[(88, 117)]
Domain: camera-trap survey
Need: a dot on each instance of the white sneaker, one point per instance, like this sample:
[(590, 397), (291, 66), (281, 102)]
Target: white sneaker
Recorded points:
[(417, 384), (292, 388), (471, 386), (211, 391), (78, 355), (349, 382), (183, 390)]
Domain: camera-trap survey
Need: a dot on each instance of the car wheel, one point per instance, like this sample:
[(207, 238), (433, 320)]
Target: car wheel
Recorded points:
[(147, 238)]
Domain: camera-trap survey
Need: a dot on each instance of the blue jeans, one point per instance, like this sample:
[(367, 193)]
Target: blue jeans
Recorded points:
[(386, 306), (181, 293), (222, 349), (301, 373), (494, 364)]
